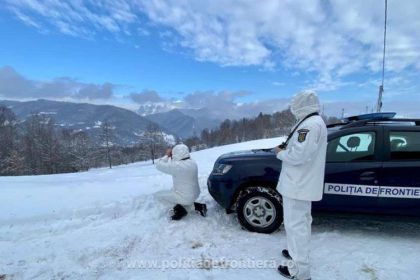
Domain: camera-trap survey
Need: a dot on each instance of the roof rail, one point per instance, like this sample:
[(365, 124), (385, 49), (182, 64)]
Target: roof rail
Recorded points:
[(372, 116), (379, 121), (336, 124)]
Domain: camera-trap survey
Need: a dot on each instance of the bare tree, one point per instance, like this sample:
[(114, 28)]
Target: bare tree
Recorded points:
[(41, 145), (107, 138), (283, 122), (154, 139), (10, 160), (233, 131), (82, 146), (76, 150)]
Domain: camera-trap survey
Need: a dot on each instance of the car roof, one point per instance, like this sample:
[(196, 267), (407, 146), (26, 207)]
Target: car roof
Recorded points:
[(374, 119)]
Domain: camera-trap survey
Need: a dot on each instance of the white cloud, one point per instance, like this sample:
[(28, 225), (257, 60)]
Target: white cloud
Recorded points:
[(402, 97), (145, 96), (75, 18), (216, 105), (26, 20), (278, 84), (16, 86), (331, 39)]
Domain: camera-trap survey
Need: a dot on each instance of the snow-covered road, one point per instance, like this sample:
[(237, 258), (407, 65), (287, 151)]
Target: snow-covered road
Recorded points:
[(106, 224)]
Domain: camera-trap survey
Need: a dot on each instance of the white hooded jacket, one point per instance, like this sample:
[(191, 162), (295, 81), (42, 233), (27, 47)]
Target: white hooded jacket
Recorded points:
[(303, 167), (184, 173)]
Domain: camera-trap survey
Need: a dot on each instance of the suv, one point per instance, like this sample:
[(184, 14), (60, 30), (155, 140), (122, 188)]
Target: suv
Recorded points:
[(372, 166)]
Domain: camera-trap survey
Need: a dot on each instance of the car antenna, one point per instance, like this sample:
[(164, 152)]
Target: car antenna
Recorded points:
[(381, 87)]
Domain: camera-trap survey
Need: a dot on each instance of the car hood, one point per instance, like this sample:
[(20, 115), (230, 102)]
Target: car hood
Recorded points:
[(248, 154)]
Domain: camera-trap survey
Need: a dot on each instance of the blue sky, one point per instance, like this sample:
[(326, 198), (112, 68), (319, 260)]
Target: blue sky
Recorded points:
[(134, 64), (236, 52)]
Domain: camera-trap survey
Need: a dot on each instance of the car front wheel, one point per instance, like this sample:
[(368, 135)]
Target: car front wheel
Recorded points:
[(259, 209)]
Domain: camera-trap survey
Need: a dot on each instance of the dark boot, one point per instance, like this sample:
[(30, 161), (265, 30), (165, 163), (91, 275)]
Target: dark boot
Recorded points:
[(284, 271), (179, 212), (285, 254), (201, 208)]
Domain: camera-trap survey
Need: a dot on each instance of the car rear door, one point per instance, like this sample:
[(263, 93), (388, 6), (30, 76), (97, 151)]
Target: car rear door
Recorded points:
[(352, 170), (400, 186)]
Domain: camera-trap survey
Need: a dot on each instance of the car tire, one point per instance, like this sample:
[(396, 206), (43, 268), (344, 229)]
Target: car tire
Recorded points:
[(259, 209)]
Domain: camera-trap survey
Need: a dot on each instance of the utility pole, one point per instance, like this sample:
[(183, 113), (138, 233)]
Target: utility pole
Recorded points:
[(381, 87), (342, 113), (379, 105)]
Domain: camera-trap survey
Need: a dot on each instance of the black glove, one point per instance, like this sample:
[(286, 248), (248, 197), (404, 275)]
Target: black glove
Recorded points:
[(282, 146)]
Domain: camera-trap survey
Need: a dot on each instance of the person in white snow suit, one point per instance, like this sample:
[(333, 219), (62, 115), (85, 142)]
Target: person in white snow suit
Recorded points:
[(178, 163), (301, 181)]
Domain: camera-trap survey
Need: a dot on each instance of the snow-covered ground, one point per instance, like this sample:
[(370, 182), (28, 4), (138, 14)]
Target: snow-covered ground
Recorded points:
[(106, 224)]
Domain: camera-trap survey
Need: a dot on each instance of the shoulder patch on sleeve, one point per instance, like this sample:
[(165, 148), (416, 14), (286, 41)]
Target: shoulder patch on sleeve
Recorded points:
[(302, 135)]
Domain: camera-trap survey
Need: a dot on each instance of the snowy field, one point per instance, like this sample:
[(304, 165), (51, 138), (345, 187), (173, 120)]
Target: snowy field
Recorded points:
[(106, 224)]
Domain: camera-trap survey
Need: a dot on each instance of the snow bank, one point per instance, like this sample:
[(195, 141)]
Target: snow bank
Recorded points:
[(106, 224)]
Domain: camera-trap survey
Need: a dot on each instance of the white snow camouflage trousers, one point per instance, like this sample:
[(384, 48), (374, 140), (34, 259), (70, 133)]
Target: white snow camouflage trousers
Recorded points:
[(297, 223), (169, 196)]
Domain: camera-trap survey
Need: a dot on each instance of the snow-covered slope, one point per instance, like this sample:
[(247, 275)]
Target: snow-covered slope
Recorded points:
[(106, 224)]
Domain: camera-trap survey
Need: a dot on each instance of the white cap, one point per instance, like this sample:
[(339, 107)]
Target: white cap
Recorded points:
[(304, 103), (180, 152)]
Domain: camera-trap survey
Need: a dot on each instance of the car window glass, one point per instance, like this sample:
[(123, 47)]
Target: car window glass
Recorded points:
[(352, 147), (404, 145)]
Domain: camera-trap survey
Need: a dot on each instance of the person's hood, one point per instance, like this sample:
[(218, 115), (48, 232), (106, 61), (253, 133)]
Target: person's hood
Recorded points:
[(304, 103), (180, 152)]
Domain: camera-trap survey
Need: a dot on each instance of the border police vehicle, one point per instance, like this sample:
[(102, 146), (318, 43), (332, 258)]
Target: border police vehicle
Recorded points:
[(372, 166)]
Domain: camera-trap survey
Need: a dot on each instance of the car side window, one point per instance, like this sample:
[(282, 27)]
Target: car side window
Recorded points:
[(352, 147), (404, 145)]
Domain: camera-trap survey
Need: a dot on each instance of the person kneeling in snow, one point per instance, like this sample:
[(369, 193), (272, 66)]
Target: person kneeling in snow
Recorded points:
[(178, 163)]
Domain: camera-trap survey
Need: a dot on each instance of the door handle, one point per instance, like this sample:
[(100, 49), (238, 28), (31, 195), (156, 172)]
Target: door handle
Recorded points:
[(368, 176)]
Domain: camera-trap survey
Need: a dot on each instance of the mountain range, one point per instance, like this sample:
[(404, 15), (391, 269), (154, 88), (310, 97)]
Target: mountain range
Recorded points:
[(185, 122), (180, 123), (87, 117)]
